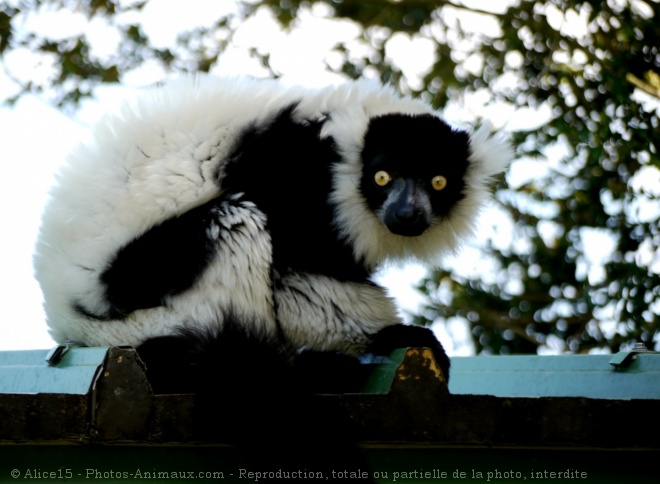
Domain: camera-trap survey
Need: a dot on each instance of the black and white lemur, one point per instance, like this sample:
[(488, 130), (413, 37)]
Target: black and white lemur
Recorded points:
[(233, 224)]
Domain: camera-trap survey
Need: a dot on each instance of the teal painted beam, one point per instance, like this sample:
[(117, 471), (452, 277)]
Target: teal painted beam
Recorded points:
[(28, 372), (588, 376)]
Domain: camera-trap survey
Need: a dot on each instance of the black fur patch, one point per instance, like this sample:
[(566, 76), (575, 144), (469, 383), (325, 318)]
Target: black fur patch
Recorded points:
[(191, 360), (285, 169), (164, 260)]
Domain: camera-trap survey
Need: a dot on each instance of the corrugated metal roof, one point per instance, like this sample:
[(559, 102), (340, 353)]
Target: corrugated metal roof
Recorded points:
[(29, 372)]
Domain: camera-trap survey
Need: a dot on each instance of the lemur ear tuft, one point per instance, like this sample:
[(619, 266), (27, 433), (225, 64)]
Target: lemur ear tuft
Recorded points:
[(490, 155)]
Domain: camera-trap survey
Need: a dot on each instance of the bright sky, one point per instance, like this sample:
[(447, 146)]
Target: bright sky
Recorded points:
[(35, 139)]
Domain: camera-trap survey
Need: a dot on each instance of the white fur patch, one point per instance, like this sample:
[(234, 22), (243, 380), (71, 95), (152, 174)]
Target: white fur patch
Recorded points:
[(321, 313)]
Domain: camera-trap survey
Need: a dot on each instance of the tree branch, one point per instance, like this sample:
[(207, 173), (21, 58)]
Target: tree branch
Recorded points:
[(648, 88)]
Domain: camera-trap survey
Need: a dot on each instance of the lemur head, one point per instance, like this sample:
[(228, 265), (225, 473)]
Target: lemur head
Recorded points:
[(416, 188)]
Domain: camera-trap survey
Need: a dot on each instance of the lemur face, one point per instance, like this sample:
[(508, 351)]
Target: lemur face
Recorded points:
[(414, 168)]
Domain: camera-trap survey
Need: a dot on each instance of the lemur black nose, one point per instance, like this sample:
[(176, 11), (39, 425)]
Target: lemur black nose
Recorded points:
[(407, 221), (407, 214)]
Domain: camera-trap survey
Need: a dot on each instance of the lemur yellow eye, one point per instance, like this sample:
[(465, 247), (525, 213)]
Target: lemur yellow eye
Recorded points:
[(382, 178), (439, 182)]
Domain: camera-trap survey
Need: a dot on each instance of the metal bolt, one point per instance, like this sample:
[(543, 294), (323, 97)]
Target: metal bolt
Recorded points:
[(640, 348)]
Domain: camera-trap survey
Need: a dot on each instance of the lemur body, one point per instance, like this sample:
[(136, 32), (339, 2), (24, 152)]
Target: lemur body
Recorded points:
[(246, 203)]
